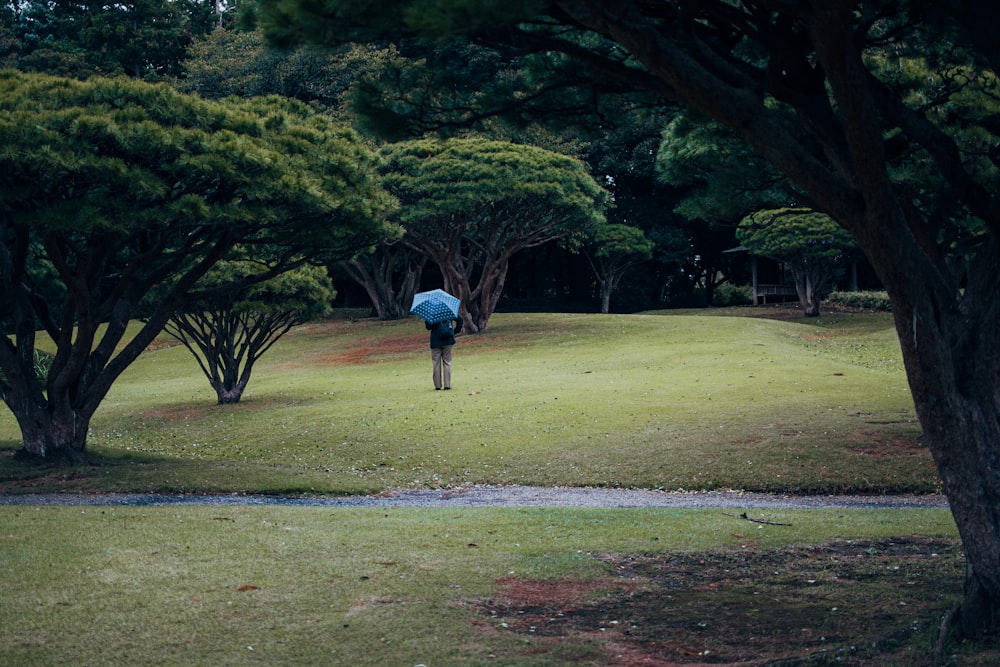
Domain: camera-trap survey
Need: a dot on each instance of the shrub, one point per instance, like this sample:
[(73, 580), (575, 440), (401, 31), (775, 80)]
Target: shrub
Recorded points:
[(732, 295), (42, 364), (870, 300)]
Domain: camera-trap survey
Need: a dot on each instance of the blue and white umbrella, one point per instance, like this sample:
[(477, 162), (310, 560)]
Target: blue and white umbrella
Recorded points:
[(435, 306)]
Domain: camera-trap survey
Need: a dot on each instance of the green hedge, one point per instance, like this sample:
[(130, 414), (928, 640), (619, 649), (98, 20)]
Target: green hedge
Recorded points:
[(732, 295), (873, 300)]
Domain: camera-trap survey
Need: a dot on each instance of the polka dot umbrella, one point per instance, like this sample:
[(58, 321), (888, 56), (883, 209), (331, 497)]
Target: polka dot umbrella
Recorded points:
[(435, 306)]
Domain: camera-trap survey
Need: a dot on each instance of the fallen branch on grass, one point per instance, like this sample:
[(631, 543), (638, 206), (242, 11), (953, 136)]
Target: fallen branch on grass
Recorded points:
[(749, 518)]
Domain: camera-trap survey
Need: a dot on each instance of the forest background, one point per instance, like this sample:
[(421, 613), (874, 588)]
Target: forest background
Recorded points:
[(683, 199)]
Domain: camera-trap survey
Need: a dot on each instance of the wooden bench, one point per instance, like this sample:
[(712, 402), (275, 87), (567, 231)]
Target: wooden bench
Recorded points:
[(762, 292)]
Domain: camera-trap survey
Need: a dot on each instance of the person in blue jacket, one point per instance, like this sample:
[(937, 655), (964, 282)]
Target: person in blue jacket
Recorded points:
[(442, 340)]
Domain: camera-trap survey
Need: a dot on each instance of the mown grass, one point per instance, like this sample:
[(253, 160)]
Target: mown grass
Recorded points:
[(655, 400), (312, 586), (660, 400)]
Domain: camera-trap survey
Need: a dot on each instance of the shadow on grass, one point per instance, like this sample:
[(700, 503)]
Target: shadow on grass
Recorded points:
[(868, 603), (115, 471)]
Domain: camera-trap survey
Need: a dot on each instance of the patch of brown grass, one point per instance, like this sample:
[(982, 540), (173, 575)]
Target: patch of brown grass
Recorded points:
[(877, 444)]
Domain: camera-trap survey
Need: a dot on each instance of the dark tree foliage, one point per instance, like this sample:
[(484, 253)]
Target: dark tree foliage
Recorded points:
[(142, 38)]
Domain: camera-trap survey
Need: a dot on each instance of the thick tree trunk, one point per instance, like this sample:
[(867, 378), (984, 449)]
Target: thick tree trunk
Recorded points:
[(390, 276), (492, 279), (52, 433), (806, 294), (229, 395), (953, 367), (966, 456), (946, 319)]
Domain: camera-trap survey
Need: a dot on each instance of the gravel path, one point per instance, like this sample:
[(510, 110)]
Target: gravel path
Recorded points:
[(502, 496)]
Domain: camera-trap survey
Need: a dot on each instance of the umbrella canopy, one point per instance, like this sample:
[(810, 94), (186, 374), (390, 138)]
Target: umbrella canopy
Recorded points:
[(435, 306)]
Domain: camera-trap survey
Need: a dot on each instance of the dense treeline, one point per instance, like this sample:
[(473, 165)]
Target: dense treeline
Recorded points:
[(409, 90)]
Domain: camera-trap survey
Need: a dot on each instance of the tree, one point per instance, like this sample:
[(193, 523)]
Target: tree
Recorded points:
[(139, 38), (234, 62), (614, 249), (622, 141), (823, 90), (471, 204), (228, 331), (719, 180), (390, 273), (112, 188), (811, 243), (722, 179)]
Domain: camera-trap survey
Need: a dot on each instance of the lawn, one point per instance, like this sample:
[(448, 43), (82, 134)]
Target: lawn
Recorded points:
[(654, 401), (694, 400), (251, 585)]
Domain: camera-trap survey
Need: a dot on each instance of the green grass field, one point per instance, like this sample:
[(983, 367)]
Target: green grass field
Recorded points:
[(659, 400), (654, 400), (308, 586)]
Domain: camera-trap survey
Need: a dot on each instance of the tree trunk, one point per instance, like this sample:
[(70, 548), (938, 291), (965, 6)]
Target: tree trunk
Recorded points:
[(52, 433), (237, 369), (229, 395), (966, 456), (390, 275), (492, 279), (953, 373)]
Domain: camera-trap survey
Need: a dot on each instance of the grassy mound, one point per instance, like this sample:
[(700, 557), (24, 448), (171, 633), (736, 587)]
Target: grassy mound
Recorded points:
[(661, 400)]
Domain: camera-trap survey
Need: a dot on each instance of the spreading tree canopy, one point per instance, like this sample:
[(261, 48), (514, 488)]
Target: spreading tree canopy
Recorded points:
[(111, 188), (228, 331), (471, 204), (811, 243), (882, 113), (612, 251)]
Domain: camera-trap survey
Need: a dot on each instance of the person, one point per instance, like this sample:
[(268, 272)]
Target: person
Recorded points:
[(442, 340)]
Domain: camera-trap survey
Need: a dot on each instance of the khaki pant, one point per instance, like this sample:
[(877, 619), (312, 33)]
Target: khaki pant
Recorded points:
[(441, 357)]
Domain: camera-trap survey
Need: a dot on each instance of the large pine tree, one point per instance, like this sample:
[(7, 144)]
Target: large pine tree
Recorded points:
[(882, 113)]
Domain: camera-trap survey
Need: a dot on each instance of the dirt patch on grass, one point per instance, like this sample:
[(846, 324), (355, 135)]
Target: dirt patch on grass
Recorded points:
[(792, 310), (402, 347), (877, 444), (399, 347), (863, 603)]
